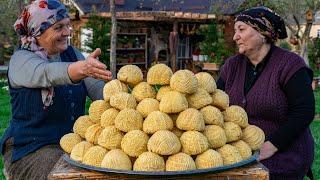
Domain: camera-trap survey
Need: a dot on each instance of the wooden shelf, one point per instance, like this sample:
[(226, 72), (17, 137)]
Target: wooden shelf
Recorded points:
[(134, 63), (131, 49), (139, 54), (130, 34)]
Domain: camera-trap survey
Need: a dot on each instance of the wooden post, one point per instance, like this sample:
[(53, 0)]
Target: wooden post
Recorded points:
[(113, 40), (173, 44)]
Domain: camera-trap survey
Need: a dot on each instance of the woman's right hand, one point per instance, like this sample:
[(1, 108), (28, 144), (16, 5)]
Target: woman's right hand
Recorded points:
[(91, 67)]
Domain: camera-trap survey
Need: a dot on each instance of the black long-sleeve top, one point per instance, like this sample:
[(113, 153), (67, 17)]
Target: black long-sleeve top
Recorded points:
[(300, 99)]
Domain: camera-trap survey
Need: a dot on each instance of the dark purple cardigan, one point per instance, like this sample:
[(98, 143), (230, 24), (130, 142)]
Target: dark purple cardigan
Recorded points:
[(267, 107)]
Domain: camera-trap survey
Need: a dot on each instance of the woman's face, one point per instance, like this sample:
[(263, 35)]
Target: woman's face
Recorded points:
[(248, 39), (55, 39)]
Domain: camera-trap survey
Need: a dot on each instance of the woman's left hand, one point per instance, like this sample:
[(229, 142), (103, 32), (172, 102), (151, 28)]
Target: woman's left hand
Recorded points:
[(267, 150)]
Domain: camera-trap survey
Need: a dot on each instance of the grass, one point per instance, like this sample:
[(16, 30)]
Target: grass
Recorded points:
[(5, 116)]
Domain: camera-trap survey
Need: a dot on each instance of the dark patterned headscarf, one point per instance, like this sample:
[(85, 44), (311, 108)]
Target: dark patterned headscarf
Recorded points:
[(265, 21), (34, 20)]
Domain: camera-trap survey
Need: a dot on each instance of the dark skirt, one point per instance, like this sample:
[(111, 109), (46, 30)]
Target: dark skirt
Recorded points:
[(36, 165)]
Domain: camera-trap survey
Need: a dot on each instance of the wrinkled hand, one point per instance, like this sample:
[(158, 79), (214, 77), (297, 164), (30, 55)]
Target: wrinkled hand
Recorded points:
[(91, 67), (267, 150), (94, 68)]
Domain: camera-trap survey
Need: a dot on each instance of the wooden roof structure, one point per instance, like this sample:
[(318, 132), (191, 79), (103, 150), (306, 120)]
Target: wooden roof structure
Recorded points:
[(160, 10)]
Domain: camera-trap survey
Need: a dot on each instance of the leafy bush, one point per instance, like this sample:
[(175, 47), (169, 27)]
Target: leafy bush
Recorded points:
[(214, 45), (314, 56), (285, 45), (100, 27)]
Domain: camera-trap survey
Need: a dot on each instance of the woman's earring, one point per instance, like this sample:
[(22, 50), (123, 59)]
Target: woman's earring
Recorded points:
[(263, 40)]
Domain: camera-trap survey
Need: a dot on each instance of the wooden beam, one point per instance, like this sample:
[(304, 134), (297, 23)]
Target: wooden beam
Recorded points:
[(159, 16)]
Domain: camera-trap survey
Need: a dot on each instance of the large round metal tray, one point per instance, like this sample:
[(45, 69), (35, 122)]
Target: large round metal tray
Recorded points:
[(252, 159)]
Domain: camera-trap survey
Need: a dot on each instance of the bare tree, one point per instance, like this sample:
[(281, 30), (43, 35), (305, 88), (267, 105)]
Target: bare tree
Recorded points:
[(113, 39)]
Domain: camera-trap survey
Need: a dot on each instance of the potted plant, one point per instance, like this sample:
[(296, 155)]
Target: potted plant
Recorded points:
[(213, 47)]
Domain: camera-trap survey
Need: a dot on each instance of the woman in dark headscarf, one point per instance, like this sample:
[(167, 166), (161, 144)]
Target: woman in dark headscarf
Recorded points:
[(48, 82), (273, 85)]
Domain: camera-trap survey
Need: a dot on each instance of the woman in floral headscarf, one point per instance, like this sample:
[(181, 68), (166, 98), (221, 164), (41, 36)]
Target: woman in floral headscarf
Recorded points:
[(48, 82), (273, 85)]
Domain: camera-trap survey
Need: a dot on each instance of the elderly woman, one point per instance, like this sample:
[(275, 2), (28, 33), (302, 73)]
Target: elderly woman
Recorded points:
[(48, 82), (273, 85)]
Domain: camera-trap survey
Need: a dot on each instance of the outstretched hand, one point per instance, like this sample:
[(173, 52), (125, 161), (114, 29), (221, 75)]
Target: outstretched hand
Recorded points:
[(96, 69), (91, 67)]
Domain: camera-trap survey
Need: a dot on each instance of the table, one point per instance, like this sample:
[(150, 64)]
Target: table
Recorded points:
[(63, 170)]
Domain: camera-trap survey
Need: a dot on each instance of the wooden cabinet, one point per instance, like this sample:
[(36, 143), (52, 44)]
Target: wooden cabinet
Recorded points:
[(132, 48)]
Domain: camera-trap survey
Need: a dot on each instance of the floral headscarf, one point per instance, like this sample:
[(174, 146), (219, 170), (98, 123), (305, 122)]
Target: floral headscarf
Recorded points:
[(265, 21), (34, 20)]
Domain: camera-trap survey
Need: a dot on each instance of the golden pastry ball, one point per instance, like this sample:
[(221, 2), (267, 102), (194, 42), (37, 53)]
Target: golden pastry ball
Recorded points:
[(209, 159), (128, 120), (149, 161), (243, 148), (159, 74), (173, 102), (230, 154), (237, 115), (253, 136), (110, 138), (156, 121), (93, 133), (135, 143), (79, 150), (116, 159), (164, 142), (94, 156), (233, 131), (180, 162), (143, 90), (194, 142), (147, 106), (199, 99), (184, 81), (215, 135), (212, 116), (190, 119), (68, 141), (108, 117), (206, 81), (112, 87), (96, 109), (81, 125), (122, 100), (130, 74), (162, 91), (220, 99)]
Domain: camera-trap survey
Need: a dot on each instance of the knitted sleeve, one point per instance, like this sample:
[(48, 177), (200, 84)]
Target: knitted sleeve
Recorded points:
[(301, 107)]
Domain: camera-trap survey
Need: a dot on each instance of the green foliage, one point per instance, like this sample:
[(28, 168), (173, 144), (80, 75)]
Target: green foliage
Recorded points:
[(9, 10), (314, 56), (214, 44), (315, 126), (5, 114), (285, 45), (100, 27)]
